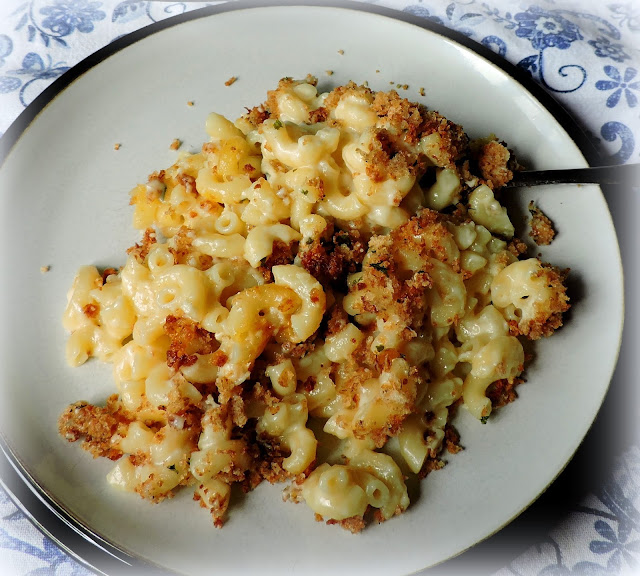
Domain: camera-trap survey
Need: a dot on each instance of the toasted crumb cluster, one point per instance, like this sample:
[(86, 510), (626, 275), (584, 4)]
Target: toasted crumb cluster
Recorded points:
[(316, 294), (542, 230), (493, 163), (97, 426)]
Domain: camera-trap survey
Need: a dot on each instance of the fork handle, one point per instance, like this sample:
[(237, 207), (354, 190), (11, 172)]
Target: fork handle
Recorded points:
[(628, 174)]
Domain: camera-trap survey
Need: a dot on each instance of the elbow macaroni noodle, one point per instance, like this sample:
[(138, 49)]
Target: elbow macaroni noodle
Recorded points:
[(318, 289)]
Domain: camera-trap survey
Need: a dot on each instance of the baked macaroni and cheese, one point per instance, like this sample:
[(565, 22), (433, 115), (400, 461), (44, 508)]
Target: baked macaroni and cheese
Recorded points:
[(316, 293)]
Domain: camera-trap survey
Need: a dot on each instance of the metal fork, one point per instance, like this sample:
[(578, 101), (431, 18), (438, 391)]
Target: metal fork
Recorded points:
[(628, 174)]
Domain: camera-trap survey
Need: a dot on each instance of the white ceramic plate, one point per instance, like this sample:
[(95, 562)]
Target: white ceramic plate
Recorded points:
[(64, 202)]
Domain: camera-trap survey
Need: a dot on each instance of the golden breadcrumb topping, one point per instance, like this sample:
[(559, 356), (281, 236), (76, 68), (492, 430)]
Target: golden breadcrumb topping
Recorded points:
[(493, 162), (547, 317), (542, 230)]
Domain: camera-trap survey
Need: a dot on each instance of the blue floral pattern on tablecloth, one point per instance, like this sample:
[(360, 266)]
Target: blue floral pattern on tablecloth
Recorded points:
[(620, 84), (586, 54), (601, 537), (25, 551)]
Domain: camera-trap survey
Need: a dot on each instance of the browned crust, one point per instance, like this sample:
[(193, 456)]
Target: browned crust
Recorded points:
[(91, 310), (452, 439), (331, 258), (517, 247), (542, 230), (257, 115), (426, 235), (354, 524), (108, 272), (503, 392), (188, 339), (430, 465), (493, 160), (549, 314), (282, 253), (181, 247), (141, 251), (386, 158), (337, 320), (318, 115), (95, 425), (290, 350)]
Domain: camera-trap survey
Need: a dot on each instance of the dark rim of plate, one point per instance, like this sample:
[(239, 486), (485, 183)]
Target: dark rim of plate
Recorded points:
[(76, 539)]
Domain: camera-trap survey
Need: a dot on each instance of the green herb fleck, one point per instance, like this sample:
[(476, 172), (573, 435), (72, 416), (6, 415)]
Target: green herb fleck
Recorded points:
[(309, 241), (380, 268), (305, 192), (379, 347), (277, 124), (484, 419), (173, 467)]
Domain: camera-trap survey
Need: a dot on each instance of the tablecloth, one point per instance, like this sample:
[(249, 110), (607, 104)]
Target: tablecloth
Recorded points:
[(587, 56)]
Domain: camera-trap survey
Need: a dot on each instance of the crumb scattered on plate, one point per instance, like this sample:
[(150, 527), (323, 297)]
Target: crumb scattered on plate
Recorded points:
[(421, 91), (190, 103), (542, 230), (116, 146), (231, 81), (176, 144), (329, 72), (45, 269), (341, 52)]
